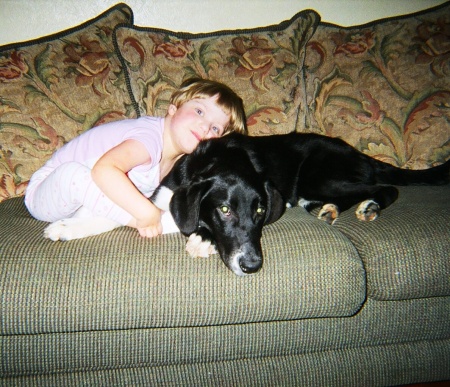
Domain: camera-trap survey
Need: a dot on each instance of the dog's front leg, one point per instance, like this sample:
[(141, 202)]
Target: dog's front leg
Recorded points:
[(201, 244)]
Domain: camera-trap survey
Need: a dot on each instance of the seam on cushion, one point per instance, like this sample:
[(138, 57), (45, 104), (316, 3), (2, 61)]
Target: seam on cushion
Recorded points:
[(187, 35), (125, 67)]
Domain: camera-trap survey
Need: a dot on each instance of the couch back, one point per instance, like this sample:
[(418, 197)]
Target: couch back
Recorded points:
[(383, 87)]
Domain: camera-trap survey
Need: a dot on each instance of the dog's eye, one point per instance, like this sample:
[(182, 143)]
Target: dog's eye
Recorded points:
[(260, 210), (225, 210)]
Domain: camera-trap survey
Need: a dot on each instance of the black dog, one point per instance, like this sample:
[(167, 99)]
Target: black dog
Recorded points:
[(223, 193)]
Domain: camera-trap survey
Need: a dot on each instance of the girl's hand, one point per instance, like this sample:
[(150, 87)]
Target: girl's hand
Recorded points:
[(150, 232), (151, 226)]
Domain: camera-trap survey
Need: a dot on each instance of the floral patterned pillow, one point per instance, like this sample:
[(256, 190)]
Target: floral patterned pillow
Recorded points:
[(384, 87), (54, 88), (262, 65)]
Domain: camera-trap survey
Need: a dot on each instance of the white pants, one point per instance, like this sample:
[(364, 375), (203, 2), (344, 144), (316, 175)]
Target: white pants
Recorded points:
[(57, 194)]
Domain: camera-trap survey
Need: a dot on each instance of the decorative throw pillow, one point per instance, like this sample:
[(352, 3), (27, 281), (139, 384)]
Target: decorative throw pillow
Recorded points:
[(384, 87), (262, 65), (54, 88)]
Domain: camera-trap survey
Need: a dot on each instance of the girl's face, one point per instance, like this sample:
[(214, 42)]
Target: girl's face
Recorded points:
[(196, 120)]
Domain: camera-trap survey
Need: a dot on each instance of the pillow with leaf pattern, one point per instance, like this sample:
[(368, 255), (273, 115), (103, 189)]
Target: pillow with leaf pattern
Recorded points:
[(54, 88), (262, 65), (384, 87)]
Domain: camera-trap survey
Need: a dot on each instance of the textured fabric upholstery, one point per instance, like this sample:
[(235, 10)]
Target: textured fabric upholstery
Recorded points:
[(263, 65), (388, 331), (384, 86), (54, 88), (121, 281), (406, 251)]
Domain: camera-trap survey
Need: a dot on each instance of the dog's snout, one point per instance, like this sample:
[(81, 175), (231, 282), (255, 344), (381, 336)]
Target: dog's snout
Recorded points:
[(243, 264), (250, 266)]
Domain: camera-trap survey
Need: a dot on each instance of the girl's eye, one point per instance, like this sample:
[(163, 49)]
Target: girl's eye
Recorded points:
[(199, 111), (216, 130)]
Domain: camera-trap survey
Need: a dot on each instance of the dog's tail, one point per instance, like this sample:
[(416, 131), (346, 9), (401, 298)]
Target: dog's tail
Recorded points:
[(388, 174)]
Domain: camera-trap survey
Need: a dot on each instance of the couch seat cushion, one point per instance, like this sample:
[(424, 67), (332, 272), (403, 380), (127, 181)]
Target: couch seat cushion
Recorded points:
[(54, 88), (120, 281), (406, 251), (263, 65)]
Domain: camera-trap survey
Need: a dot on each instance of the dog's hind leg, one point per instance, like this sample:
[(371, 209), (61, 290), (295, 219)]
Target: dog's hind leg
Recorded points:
[(329, 213), (378, 199), (372, 200), (370, 209)]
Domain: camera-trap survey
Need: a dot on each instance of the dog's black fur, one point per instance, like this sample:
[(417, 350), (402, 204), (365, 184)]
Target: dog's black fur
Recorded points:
[(228, 188)]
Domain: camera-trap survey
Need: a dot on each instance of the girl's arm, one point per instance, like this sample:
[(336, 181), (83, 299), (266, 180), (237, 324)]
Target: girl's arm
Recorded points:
[(109, 173)]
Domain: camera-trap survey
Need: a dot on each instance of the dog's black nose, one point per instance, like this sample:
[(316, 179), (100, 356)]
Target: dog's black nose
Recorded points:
[(250, 266)]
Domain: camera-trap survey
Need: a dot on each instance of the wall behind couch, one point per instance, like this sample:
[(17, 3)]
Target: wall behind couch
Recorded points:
[(28, 19)]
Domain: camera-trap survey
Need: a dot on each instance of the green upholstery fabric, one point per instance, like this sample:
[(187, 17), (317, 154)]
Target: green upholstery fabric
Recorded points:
[(346, 367), (121, 281), (406, 251), (384, 329)]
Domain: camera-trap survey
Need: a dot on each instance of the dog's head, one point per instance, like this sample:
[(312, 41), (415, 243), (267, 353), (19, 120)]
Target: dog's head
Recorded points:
[(221, 192), (233, 208)]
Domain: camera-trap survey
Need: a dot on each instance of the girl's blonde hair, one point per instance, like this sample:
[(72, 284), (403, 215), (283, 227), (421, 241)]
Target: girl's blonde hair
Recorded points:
[(228, 100)]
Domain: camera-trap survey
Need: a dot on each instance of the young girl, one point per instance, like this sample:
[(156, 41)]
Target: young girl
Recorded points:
[(112, 169)]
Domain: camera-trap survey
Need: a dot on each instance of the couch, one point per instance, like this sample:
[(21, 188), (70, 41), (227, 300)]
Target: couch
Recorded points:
[(353, 304)]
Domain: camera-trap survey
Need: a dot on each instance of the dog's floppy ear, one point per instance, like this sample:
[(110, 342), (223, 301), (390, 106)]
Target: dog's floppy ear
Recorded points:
[(185, 205), (275, 205)]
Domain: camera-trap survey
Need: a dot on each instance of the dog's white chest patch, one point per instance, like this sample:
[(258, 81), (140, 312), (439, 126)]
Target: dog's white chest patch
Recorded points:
[(162, 198)]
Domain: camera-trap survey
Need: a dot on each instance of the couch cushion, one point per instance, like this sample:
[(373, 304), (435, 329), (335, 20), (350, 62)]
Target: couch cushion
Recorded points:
[(121, 281), (384, 327), (263, 65), (406, 251), (54, 88), (384, 87)]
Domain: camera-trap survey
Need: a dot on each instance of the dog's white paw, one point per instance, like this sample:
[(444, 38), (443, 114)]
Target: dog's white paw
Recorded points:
[(368, 211), (197, 247), (76, 228)]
